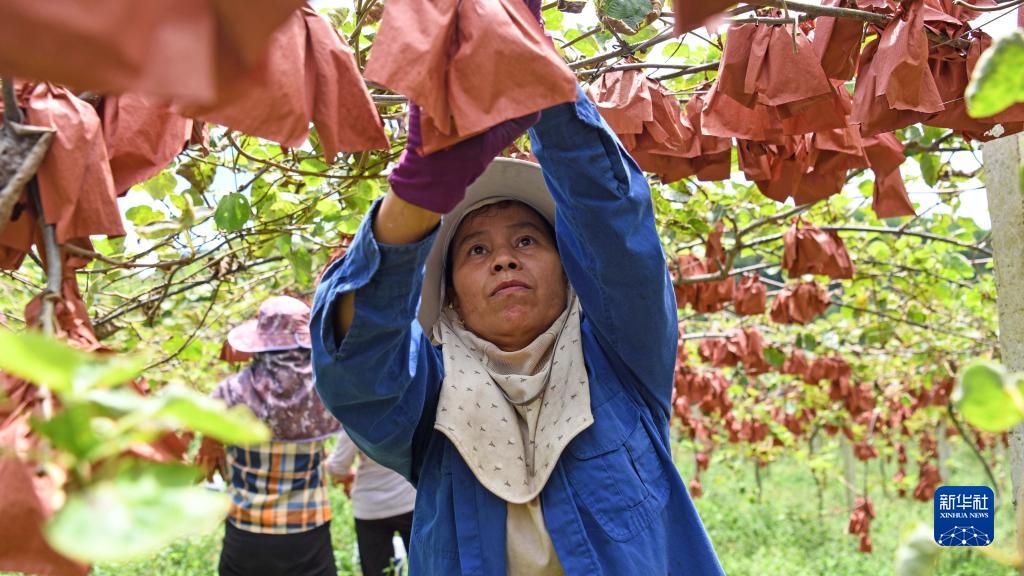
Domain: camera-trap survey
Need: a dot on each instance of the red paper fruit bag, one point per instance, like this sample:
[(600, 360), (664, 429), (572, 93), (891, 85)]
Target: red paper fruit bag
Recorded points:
[(188, 49), (309, 75), (478, 64)]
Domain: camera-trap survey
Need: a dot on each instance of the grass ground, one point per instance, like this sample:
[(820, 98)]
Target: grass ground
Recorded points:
[(199, 556), (779, 534), (783, 534)]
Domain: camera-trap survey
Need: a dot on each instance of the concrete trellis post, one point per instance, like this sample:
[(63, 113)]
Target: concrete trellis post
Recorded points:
[(1004, 179)]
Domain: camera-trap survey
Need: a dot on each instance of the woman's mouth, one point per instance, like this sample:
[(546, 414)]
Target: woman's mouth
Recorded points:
[(509, 287)]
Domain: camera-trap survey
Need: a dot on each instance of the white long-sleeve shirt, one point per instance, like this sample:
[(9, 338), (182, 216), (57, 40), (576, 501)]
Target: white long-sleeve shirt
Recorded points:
[(378, 492)]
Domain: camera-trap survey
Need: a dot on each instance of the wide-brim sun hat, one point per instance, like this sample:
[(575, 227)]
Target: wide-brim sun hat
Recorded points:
[(504, 179), (282, 323)]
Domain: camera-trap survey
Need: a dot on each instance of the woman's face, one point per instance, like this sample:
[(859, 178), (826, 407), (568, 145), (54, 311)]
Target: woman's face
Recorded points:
[(507, 277)]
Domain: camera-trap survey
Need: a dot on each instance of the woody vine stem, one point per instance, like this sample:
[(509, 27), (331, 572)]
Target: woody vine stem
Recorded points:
[(12, 117)]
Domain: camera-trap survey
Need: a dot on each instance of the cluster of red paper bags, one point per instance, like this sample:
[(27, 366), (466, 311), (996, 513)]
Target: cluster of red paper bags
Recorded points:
[(744, 345), (709, 295), (860, 521), (709, 389), (267, 69), (807, 250), (929, 477), (780, 94)]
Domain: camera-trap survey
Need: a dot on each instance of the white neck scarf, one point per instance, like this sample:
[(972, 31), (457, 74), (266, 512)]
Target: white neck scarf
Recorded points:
[(511, 414)]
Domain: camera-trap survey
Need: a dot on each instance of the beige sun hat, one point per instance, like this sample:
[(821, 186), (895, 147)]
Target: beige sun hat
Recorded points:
[(504, 179)]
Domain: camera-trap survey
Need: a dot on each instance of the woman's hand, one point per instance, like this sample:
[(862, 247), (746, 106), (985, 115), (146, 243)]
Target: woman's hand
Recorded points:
[(211, 459), (438, 182), (346, 480)]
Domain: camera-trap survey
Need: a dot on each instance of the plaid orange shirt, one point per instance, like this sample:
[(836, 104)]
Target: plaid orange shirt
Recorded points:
[(278, 487)]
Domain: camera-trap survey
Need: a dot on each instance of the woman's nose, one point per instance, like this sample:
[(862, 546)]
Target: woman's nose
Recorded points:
[(503, 262)]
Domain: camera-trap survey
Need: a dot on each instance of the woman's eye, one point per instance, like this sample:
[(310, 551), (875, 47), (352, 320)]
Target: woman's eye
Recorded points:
[(526, 241), (476, 250)]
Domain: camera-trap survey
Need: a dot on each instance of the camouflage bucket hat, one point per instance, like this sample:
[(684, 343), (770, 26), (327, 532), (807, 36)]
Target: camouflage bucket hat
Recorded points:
[(281, 324)]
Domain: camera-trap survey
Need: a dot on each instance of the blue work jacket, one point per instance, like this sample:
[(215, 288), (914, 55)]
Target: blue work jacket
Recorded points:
[(615, 503)]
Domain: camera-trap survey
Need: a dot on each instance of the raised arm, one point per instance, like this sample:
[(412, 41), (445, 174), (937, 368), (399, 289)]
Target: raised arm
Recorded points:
[(380, 375), (376, 371), (398, 222), (609, 243)]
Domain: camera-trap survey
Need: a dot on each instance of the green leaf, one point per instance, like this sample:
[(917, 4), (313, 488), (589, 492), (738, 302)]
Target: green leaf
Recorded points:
[(160, 185), (878, 334), (880, 251), (918, 553), (329, 210), (192, 212), (365, 192), (588, 46), (302, 264), (119, 401), (913, 132), (671, 194), (959, 265), (931, 134), (998, 81), (866, 188), (259, 191), (349, 224), (136, 514), (142, 215), (644, 33), (698, 225), (57, 366), (632, 13), (199, 173), (988, 397), (178, 201), (676, 50), (553, 20), (915, 315), (775, 357), (314, 165), (233, 212), (235, 425), (929, 168), (186, 350), (70, 430), (109, 246), (806, 341), (283, 243)]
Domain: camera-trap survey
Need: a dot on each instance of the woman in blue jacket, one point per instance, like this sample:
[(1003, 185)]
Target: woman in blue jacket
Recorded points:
[(515, 359)]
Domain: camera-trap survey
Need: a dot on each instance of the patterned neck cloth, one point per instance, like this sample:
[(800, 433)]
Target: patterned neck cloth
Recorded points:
[(510, 414), (278, 388)]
